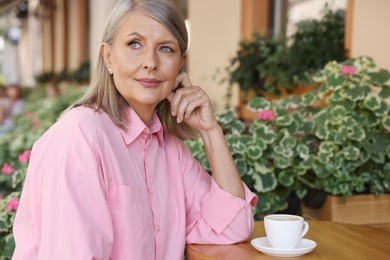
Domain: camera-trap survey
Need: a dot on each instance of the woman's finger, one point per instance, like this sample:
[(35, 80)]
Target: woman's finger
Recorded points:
[(183, 79), (188, 103), (176, 98)]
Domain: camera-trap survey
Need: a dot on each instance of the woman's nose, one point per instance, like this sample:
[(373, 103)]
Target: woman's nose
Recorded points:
[(150, 61)]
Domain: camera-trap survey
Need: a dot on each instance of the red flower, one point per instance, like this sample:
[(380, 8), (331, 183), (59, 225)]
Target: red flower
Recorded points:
[(388, 129), (7, 169), (30, 114), (266, 115), (13, 204), (35, 124), (348, 70), (25, 156)]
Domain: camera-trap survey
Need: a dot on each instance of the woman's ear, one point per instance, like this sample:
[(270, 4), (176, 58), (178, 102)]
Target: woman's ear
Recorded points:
[(183, 62), (105, 52)]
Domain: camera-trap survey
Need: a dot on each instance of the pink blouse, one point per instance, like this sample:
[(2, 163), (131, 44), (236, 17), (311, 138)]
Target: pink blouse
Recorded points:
[(94, 191)]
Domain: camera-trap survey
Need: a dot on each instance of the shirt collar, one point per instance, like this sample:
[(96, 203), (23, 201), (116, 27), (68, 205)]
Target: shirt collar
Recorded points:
[(136, 127)]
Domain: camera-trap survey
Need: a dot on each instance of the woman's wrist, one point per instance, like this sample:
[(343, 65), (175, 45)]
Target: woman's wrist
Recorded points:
[(210, 134)]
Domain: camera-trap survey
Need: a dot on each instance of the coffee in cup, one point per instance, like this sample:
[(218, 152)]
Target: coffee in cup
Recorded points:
[(285, 231)]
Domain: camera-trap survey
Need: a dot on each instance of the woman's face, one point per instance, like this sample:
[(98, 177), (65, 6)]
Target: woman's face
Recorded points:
[(145, 60)]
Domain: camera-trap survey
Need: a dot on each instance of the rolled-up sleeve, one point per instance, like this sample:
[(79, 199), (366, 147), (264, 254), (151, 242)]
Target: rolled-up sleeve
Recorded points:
[(213, 215)]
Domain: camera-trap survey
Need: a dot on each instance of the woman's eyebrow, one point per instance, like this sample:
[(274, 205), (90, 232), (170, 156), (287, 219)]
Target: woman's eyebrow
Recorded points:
[(143, 37)]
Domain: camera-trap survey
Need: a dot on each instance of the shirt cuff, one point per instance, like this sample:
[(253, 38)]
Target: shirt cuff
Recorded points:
[(220, 207)]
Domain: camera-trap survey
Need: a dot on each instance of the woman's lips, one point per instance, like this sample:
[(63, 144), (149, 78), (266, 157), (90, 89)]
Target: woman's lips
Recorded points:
[(149, 82)]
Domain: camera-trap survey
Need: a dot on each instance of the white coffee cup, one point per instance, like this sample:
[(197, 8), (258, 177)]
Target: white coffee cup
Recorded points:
[(285, 231)]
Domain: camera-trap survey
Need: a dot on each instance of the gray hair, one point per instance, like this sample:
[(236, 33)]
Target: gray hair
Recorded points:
[(102, 93)]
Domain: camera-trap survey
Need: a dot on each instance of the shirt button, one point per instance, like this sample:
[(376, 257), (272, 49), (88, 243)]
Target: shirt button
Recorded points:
[(151, 193), (157, 228)]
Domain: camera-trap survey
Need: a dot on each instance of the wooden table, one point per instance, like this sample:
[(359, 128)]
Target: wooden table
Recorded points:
[(334, 241)]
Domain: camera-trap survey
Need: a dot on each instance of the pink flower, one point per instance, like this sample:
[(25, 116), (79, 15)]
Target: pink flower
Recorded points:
[(388, 129), (30, 114), (266, 115), (348, 70), (7, 169), (25, 156), (13, 204), (35, 124)]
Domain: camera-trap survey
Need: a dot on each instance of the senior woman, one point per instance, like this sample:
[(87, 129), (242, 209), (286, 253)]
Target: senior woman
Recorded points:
[(112, 178)]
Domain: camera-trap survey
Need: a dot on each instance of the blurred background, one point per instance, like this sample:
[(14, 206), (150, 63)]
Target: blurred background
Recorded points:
[(42, 38)]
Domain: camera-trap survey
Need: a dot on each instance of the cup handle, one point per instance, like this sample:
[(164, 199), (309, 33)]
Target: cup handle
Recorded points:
[(305, 228)]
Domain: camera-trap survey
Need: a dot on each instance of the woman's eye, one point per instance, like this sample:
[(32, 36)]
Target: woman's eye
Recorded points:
[(166, 49), (135, 45)]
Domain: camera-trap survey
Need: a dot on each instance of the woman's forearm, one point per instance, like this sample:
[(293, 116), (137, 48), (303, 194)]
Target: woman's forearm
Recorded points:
[(223, 168)]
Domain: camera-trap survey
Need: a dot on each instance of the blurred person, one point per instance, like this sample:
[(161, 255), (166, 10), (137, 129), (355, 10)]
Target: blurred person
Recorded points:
[(112, 178), (16, 101), (5, 121), (3, 96)]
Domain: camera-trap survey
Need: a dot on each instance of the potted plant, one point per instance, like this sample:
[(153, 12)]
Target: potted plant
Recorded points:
[(353, 155), (294, 146)]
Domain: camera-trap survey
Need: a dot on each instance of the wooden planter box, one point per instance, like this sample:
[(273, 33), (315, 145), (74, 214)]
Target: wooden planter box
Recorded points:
[(359, 209)]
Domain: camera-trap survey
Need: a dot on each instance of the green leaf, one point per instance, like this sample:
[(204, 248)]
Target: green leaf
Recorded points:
[(336, 97), (254, 152), (226, 117), (338, 113), (382, 110), (286, 178), (303, 151), (281, 162), (380, 77), (356, 93), (385, 92), (237, 127), (386, 122), (372, 103), (264, 182), (238, 148), (284, 120), (258, 103), (288, 141), (388, 151), (378, 158), (351, 153), (328, 147), (263, 167), (320, 170), (301, 193), (335, 82), (324, 157), (308, 98), (266, 134), (356, 134), (241, 165)]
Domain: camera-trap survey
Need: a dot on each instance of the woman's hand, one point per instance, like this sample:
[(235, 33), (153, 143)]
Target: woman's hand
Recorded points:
[(192, 105)]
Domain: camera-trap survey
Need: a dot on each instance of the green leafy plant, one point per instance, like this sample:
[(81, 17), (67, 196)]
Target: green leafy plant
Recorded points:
[(266, 64), (340, 148)]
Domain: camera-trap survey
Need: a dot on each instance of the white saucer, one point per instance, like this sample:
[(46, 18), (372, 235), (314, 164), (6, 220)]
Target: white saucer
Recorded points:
[(304, 246)]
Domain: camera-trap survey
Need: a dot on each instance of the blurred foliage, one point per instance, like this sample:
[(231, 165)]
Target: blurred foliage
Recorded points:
[(80, 75), (266, 64)]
